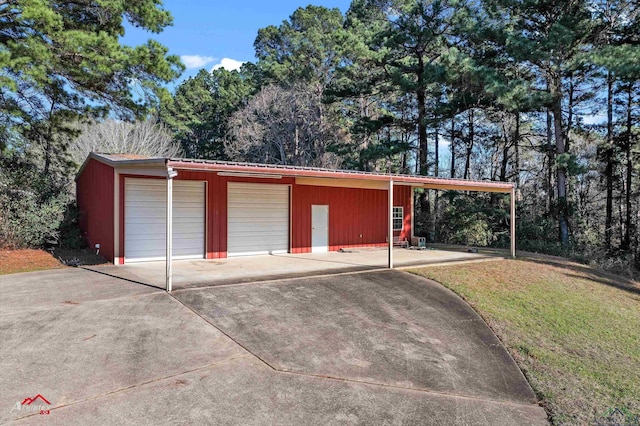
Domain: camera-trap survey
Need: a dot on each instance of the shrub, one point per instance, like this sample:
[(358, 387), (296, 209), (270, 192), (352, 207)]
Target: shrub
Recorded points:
[(477, 220), (32, 205), (474, 232), (69, 229)]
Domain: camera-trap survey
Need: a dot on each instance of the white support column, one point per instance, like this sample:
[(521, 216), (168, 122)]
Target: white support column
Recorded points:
[(391, 224), (169, 237), (513, 222)]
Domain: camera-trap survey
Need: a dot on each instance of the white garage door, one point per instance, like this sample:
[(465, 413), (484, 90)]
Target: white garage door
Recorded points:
[(258, 218), (145, 219)]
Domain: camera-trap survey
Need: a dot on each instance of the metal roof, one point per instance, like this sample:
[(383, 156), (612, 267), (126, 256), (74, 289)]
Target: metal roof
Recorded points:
[(297, 171), (116, 160)]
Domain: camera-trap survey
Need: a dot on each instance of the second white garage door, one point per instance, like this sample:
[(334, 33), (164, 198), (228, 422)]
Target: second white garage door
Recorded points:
[(258, 219)]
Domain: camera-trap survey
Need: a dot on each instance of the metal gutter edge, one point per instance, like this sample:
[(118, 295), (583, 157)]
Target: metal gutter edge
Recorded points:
[(505, 187)]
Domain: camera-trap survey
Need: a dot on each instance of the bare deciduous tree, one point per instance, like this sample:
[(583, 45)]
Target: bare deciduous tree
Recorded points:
[(119, 137), (285, 126)]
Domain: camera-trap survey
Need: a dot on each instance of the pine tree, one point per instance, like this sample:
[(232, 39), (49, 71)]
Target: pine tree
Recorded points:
[(550, 36), (63, 60), (200, 109)]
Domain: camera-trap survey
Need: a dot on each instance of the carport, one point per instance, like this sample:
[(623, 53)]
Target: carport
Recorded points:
[(211, 209)]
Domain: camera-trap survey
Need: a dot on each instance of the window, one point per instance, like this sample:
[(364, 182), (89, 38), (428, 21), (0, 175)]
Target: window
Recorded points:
[(398, 218)]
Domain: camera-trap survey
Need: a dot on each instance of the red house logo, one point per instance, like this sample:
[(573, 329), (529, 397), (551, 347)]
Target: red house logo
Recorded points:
[(29, 401), (37, 404)]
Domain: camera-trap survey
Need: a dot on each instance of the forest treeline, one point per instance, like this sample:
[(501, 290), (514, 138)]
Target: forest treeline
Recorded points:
[(540, 93), (543, 94)]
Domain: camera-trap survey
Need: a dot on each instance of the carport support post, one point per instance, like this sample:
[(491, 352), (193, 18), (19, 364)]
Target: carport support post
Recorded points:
[(513, 222), (390, 224), (169, 238)]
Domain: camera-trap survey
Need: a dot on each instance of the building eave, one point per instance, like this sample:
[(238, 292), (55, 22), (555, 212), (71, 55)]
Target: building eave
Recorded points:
[(291, 171), (159, 162), (429, 182)]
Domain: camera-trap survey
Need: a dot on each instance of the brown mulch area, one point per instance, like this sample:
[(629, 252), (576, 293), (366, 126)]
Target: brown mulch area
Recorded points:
[(12, 261), (28, 260)]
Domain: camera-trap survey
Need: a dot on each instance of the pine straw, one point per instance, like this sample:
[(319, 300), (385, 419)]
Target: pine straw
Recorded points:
[(13, 261)]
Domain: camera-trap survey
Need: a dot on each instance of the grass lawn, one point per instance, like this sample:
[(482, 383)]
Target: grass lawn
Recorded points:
[(573, 330)]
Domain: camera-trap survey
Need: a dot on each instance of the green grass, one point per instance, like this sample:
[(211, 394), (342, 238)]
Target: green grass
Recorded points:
[(574, 331)]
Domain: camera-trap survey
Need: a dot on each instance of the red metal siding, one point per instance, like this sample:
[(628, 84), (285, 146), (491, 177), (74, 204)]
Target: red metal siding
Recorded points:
[(94, 192), (402, 198), (216, 238), (357, 217), (121, 221), (217, 206)]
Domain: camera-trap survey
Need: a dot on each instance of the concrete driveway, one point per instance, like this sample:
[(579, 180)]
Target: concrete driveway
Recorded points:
[(363, 348)]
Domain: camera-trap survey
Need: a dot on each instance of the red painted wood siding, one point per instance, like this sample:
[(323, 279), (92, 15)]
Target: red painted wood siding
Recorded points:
[(94, 193)]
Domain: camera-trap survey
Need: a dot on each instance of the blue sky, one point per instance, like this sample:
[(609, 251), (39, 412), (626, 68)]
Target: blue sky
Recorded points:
[(210, 33)]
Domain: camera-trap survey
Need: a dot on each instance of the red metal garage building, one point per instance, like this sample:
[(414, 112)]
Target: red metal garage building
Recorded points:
[(217, 209)]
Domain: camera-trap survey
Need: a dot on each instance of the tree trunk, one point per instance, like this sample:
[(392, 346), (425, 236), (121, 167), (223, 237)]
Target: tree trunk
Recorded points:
[(425, 208), (364, 112), (297, 142), (571, 96), (422, 115), (516, 145), (608, 172), (626, 242), (563, 220), (505, 148), (436, 169), (47, 157), (467, 161), (550, 157), (620, 215), (434, 216), (453, 147)]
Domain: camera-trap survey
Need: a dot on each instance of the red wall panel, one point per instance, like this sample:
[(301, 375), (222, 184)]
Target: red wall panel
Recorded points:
[(94, 193), (402, 198), (357, 217), (216, 245)]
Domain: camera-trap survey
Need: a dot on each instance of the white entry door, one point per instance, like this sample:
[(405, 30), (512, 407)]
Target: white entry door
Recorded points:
[(319, 228)]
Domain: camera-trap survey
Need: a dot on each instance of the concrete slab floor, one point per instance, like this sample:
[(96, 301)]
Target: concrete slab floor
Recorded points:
[(105, 350), (233, 270)]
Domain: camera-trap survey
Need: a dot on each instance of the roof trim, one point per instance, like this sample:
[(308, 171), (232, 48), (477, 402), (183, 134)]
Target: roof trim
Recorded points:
[(297, 171), (294, 171), (102, 158)]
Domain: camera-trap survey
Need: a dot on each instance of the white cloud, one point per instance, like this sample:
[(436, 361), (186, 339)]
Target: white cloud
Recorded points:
[(196, 61), (228, 64)]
